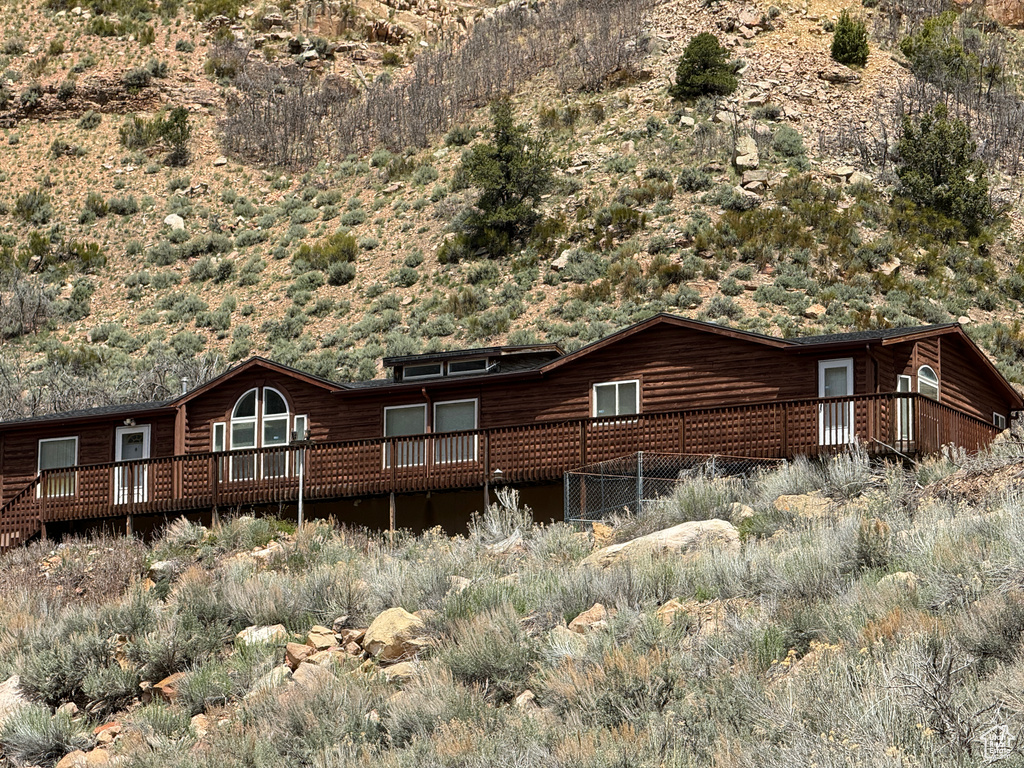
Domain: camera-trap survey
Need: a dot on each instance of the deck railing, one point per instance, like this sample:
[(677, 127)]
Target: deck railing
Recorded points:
[(542, 451)]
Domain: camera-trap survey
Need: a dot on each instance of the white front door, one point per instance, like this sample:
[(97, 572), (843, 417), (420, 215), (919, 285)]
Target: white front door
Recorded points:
[(904, 410), (835, 418), (130, 481)]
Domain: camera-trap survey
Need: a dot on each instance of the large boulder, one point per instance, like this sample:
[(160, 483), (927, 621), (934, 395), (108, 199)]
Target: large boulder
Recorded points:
[(679, 539), (394, 635)]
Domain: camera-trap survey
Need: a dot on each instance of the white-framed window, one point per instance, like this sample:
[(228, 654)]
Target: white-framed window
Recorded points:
[(260, 419), (300, 432), (617, 398), (275, 433), (424, 371), (999, 421), (401, 421), (457, 367), (220, 444), (928, 382), (904, 409), (455, 416), (57, 453)]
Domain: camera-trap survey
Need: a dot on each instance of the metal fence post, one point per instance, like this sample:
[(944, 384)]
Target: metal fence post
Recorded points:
[(639, 482)]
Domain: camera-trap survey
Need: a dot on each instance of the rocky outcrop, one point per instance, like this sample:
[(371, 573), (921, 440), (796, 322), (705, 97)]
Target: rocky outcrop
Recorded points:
[(275, 633), (394, 635), (1009, 13), (679, 539)]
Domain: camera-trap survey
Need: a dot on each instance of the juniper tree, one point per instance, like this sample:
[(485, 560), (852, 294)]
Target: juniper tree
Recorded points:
[(704, 69)]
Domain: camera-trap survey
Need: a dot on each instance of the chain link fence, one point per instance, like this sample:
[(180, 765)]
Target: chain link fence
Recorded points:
[(597, 491)]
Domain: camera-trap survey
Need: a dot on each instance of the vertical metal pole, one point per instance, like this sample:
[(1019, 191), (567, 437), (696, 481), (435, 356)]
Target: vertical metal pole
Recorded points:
[(391, 530), (639, 482), (302, 481)]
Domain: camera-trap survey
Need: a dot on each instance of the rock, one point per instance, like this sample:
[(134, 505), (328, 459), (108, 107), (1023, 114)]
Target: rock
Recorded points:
[(526, 701), (901, 581), (106, 733), (807, 505), (167, 689), (595, 617), (313, 675), (739, 512), (394, 635), (321, 638), (275, 678), (457, 584), (76, 759), (174, 221), (295, 654), (339, 624), (564, 642), (838, 74), (964, 320), (688, 121), (272, 634), (561, 262), (347, 636), (843, 172), (165, 570), (1009, 13), (859, 177), (628, 147), (745, 156), (814, 311), (220, 161), (603, 534), (670, 611), (755, 176), (890, 266), (401, 672), (68, 708), (11, 698), (328, 657), (679, 539), (201, 725), (98, 756), (723, 117)]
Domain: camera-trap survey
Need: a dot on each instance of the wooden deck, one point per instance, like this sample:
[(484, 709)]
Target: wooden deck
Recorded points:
[(538, 452)]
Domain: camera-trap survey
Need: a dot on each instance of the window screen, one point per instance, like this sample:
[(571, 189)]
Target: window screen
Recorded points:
[(455, 417), (617, 398), (57, 454)]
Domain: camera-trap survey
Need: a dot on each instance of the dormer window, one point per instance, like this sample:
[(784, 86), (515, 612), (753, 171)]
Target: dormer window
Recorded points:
[(424, 371), (456, 367)]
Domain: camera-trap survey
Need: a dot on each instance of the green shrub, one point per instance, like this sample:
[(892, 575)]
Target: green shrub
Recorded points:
[(693, 180), (936, 53), (704, 70), (850, 40), (31, 736), (339, 248), (788, 142), (135, 80), (33, 207), (490, 649), (938, 168), (123, 205)]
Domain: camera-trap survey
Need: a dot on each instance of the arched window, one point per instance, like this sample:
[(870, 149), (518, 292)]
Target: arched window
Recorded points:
[(260, 419), (927, 382)]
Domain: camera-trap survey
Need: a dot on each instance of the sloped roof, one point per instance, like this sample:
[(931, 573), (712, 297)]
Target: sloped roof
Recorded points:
[(99, 412), (259, 362)]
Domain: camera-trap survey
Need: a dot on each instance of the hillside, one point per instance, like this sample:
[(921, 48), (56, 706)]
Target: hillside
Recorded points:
[(833, 614), (127, 264)]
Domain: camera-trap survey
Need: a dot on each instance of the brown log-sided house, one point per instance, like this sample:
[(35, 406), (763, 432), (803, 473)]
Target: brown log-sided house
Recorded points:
[(464, 420)]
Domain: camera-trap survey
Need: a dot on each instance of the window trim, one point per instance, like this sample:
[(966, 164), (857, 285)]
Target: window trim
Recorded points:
[(39, 469), (471, 372), (386, 453), (999, 421), (935, 376), (905, 408), (621, 417), (266, 418), (407, 375), (836, 426), (476, 426)]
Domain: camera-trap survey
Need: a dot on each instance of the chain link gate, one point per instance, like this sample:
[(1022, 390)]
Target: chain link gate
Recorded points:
[(597, 491)]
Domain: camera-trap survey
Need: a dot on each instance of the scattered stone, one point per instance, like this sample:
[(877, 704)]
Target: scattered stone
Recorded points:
[(401, 672), (339, 624), (295, 654), (313, 675), (98, 756), (859, 177), (964, 320), (166, 570), (526, 701), (201, 725), (595, 617), (561, 262), (175, 222), (603, 534), (76, 759), (272, 634), (328, 657), (167, 689), (275, 678), (838, 74), (68, 708), (755, 176), (457, 584), (679, 539), (815, 311), (220, 161), (347, 636), (723, 117), (321, 638), (746, 156), (890, 266), (688, 121), (807, 505), (670, 611), (106, 733), (11, 698), (739, 512), (628, 147), (394, 635)]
